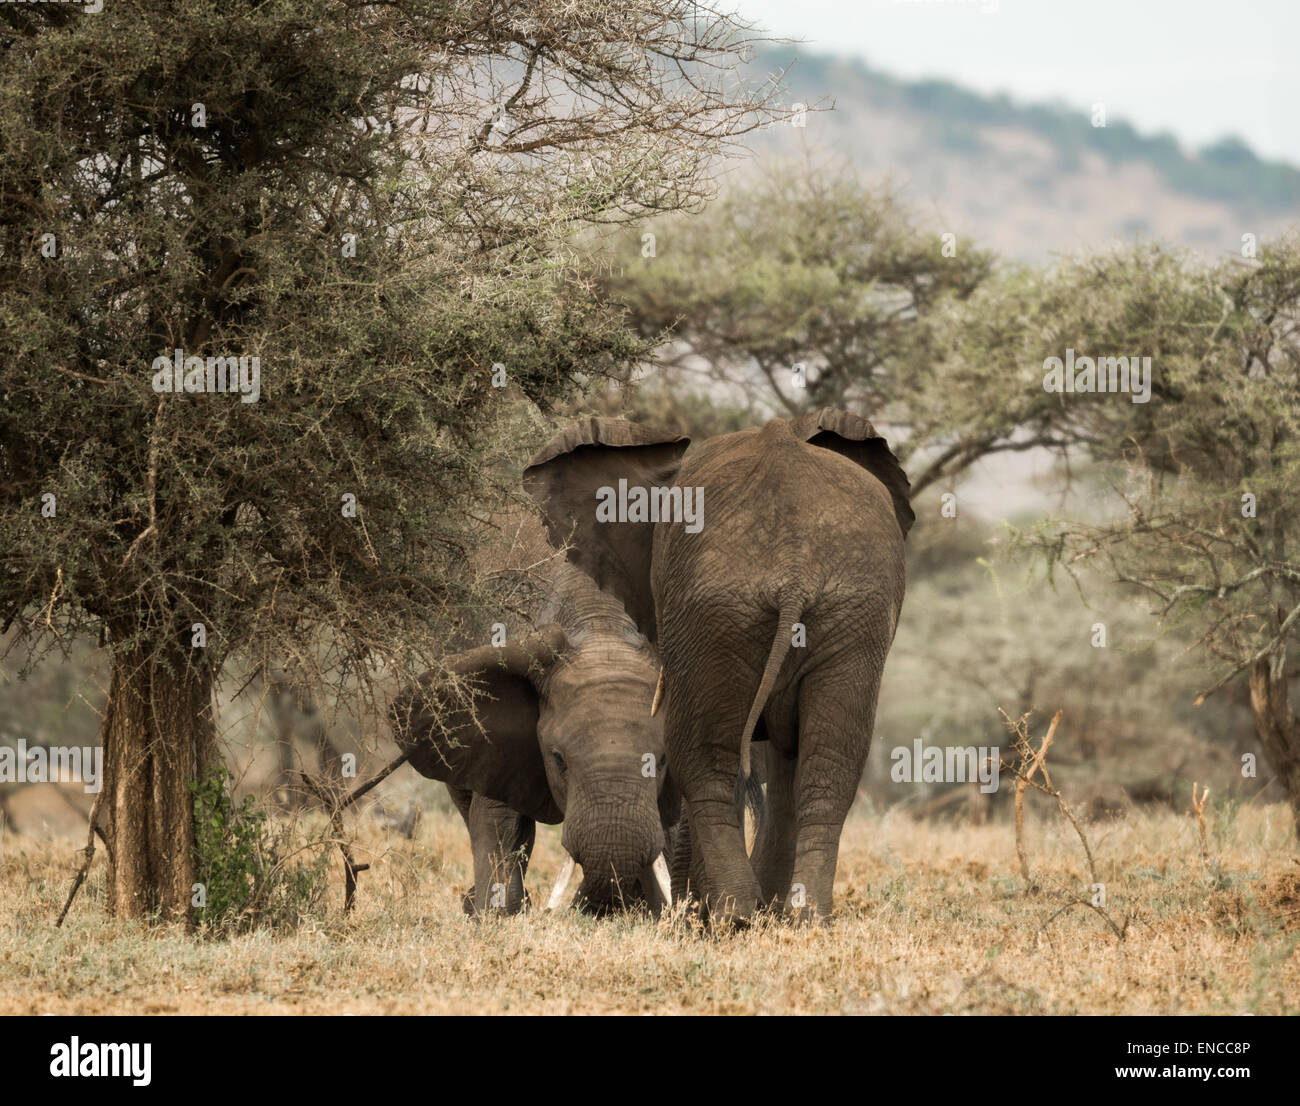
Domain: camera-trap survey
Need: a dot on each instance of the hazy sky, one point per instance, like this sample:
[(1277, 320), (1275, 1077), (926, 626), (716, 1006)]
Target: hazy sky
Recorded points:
[(1197, 68)]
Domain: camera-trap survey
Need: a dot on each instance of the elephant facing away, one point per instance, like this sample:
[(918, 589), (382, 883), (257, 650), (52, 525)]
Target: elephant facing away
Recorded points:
[(773, 616), (560, 729)]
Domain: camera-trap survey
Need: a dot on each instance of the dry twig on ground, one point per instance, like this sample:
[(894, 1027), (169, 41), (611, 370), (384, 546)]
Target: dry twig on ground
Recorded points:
[(1036, 760), (336, 807)]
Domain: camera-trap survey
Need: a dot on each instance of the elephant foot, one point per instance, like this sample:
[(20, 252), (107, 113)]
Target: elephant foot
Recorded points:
[(731, 923), (726, 911), (514, 906), (808, 916)]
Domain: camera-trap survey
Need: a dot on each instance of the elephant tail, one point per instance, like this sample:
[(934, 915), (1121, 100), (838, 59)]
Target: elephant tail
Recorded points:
[(791, 609)]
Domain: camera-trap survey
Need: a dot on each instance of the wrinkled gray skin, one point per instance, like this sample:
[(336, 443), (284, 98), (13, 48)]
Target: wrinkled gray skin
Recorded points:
[(566, 734), (803, 523)]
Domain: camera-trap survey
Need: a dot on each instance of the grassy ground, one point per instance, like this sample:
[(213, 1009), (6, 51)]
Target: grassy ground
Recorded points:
[(930, 919)]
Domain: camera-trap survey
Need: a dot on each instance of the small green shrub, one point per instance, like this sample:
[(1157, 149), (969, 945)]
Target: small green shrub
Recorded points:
[(246, 865)]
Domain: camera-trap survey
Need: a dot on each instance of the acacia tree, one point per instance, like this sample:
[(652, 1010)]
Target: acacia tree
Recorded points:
[(805, 265), (800, 266), (1200, 504), (370, 199)]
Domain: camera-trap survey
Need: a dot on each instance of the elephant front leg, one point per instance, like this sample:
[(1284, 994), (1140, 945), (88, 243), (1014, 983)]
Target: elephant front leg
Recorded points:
[(502, 842)]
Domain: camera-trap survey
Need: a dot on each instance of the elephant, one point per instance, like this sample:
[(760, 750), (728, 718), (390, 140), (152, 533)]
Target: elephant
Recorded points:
[(773, 615), (560, 729)]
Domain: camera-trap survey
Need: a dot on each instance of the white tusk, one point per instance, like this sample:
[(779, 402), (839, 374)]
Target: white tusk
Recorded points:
[(659, 695), (561, 883), (660, 869)]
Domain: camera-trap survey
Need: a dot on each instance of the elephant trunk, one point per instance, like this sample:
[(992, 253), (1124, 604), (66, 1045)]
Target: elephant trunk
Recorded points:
[(613, 830)]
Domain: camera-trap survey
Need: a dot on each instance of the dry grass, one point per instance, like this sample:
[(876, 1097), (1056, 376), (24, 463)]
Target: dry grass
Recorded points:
[(931, 919)]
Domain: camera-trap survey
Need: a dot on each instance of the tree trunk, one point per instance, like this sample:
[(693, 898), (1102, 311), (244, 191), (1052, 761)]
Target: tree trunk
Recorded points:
[(1278, 728), (158, 736)]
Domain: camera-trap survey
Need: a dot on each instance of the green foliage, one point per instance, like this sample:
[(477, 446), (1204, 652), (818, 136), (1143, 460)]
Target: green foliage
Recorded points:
[(1223, 422), (803, 265), (1194, 502), (977, 636), (659, 404), (246, 865), (319, 185)]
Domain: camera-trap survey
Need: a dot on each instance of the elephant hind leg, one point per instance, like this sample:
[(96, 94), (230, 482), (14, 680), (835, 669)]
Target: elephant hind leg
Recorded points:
[(703, 747), (705, 716), (720, 873), (686, 870), (773, 857), (837, 709)]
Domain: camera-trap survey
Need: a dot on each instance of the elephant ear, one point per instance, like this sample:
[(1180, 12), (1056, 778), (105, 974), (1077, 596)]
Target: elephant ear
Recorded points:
[(484, 740), (853, 437), (565, 477)]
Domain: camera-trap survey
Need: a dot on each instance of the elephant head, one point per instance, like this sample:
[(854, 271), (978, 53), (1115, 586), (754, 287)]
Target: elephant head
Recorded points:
[(557, 729), (559, 726)]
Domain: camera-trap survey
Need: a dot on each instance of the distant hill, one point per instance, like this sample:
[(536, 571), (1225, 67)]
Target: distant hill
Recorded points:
[(1031, 179)]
